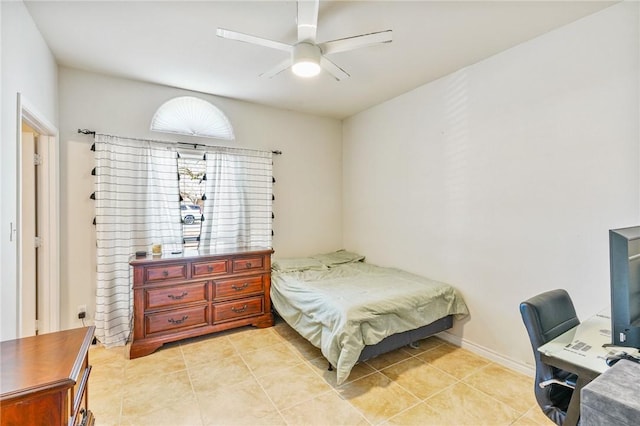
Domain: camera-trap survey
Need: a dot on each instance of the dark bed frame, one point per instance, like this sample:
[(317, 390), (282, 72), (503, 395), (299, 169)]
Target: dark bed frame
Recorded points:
[(405, 338), (398, 340)]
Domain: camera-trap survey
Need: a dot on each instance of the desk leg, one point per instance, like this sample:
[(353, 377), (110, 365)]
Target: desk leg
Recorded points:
[(573, 412)]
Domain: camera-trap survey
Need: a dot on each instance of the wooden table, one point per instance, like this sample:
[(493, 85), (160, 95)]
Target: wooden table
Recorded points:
[(44, 379)]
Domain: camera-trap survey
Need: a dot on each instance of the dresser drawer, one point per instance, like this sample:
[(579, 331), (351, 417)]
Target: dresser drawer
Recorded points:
[(213, 267), (80, 408), (254, 263), (165, 272), (237, 309), (238, 287), (175, 295), (176, 319)]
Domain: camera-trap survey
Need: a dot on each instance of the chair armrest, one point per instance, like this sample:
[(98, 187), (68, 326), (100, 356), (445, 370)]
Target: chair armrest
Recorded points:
[(569, 382)]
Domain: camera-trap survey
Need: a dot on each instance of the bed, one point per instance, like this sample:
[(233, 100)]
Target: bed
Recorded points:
[(353, 310)]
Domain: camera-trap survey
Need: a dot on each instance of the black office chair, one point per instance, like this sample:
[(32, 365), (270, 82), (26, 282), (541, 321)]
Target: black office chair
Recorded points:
[(547, 316)]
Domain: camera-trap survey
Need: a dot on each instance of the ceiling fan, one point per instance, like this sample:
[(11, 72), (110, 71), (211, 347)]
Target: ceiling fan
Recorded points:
[(307, 57)]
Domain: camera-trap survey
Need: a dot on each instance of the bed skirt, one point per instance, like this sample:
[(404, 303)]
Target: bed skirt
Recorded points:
[(405, 338)]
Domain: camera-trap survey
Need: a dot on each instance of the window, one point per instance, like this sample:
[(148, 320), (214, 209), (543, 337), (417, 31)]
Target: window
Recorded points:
[(188, 115), (192, 174)]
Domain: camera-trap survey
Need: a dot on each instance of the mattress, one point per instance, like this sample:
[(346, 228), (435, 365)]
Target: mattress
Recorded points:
[(341, 308)]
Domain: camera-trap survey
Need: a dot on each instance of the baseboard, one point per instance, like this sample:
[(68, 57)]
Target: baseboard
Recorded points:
[(488, 353)]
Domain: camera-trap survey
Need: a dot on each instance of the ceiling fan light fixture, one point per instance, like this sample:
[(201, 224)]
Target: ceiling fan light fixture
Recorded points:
[(305, 58), (306, 69)]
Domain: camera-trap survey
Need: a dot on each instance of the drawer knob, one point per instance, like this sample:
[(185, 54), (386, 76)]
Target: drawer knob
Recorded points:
[(179, 321), (174, 297), (209, 268), (165, 273), (85, 417), (248, 264), (239, 287), (239, 310)]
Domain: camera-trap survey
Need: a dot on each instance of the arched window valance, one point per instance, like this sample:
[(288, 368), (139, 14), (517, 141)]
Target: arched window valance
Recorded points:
[(188, 115)]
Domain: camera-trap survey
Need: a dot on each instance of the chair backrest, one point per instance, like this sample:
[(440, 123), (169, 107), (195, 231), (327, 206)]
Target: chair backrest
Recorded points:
[(545, 317)]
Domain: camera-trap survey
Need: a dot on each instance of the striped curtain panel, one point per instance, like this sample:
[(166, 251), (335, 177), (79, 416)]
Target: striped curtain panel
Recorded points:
[(239, 199), (137, 204)]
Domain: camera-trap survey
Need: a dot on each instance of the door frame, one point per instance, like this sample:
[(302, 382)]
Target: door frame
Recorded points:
[(48, 215)]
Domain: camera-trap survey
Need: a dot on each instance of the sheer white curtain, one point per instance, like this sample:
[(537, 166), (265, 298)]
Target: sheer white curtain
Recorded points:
[(238, 207), (137, 204)]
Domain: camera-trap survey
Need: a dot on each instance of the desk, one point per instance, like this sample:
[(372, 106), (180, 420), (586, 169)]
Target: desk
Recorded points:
[(580, 351)]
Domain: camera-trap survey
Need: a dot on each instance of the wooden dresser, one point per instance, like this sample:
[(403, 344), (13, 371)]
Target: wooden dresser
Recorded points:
[(176, 296), (45, 379)]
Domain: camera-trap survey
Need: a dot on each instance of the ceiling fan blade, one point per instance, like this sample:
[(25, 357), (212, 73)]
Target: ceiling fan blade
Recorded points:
[(337, 72), (307, 20), (356, 42), (234, 35), (277, 69)]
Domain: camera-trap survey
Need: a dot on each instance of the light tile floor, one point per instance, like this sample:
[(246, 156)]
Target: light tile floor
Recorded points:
[(272, 376)]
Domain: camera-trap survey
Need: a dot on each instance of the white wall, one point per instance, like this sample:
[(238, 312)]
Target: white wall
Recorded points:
[(504, 177), (28, 67), (308, 202), (3, 323)]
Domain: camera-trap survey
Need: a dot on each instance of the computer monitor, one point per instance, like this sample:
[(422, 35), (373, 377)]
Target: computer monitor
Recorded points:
[(624, 258)]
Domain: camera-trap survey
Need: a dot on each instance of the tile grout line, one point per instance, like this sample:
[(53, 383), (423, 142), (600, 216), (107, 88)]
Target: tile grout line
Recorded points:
[(273, 404), (517, 410), (195, 395), (332, 388), (423, 400), (379, 370)]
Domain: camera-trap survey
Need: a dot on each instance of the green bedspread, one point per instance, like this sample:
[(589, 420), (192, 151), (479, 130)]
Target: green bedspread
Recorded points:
[(344, 308)]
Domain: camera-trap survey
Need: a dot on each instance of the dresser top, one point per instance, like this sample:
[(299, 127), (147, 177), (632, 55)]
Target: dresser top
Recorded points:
[(196, 254), (44, 361)]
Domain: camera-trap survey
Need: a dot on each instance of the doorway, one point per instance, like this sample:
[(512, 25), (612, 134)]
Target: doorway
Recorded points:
[(29, 231), (38, 251)]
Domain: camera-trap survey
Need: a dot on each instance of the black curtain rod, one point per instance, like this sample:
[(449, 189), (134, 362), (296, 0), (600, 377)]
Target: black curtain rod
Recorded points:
[(194, 145)]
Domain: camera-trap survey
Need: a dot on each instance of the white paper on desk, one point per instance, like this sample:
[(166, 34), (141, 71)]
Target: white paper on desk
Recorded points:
[(586, 347), (584, 344), (593, 343)]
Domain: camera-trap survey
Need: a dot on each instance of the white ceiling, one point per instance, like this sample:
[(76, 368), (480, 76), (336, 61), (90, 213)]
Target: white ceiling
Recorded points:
[(174, 43)]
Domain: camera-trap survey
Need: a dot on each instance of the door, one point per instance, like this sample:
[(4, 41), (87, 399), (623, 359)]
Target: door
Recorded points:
[(27, 234), (38, 261)]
